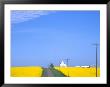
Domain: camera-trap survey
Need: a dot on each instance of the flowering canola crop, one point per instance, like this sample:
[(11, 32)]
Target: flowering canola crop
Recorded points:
[(26, 71), (79, 71)]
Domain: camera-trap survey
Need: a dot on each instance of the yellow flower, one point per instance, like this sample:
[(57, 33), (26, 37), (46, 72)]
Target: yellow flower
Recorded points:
[(78, 71), (28, 71)]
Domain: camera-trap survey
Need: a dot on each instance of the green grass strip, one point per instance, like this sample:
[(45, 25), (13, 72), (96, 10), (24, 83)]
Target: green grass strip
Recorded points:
[(57, 73)]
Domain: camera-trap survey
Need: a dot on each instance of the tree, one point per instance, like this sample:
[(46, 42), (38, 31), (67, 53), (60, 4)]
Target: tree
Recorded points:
[(51, 65)]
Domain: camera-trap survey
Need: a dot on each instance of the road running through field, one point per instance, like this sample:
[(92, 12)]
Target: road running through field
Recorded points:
[(47, 73)]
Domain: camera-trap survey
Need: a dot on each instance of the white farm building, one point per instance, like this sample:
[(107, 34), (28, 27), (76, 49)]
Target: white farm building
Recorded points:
[(62, 64)]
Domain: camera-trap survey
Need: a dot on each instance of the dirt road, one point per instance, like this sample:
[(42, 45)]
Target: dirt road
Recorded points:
[(47, 73)]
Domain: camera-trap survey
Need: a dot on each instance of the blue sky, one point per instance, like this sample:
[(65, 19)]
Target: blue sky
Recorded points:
[(39, 38)]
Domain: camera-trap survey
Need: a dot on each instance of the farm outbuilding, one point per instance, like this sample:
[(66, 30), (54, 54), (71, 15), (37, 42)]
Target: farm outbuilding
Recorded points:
[(62, 64)]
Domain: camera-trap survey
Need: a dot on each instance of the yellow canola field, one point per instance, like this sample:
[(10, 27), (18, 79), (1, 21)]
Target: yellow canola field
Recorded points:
[(78, 71), (26, 71)]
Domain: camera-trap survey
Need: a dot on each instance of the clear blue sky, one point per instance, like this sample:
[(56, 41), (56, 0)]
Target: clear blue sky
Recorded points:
[(39, 38)]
